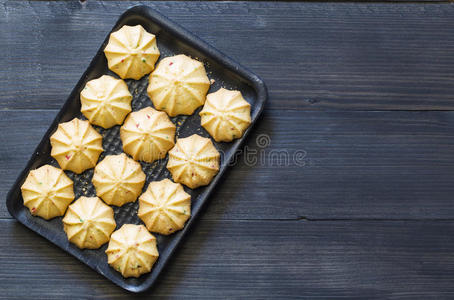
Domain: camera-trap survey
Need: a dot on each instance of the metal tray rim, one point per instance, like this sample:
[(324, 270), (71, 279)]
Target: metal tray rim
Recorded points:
[(193, 40)]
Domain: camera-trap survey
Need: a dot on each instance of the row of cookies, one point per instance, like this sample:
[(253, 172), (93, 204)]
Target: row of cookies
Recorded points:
[(106, 101), (146, 135), (89, 223), (178, 86)]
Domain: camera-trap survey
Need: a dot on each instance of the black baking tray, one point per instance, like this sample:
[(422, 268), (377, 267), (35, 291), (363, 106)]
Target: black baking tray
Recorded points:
[(172, 39)]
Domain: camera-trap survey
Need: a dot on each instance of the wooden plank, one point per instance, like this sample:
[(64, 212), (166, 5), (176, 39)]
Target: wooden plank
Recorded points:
[(383, 165), (256, 259), (313, 56)]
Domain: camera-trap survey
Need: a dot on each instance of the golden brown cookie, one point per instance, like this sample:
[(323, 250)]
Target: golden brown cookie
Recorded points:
[(47, 192), (178, 85), (131, 52), (164, 207), (89, 222), (225, 115), (194, 161), (105, 101), (118, 179), (147, 134), (132, 250), (76, 145)]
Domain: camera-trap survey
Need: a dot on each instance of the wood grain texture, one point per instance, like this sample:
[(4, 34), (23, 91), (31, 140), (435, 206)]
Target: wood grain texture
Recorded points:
[(267, 260), (313, 56), (276, 228), (381, 165)]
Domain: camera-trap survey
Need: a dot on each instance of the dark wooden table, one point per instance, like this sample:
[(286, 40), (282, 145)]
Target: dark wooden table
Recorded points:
[(364, 92)]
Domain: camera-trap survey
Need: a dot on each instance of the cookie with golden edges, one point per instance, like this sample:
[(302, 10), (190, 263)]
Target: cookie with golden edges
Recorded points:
[(131, 52), (76, 145), (225, 115), (132, 250), (118, 179), (194, 161), (164, 207), (178, 85), (89, 222), (47, 192)]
